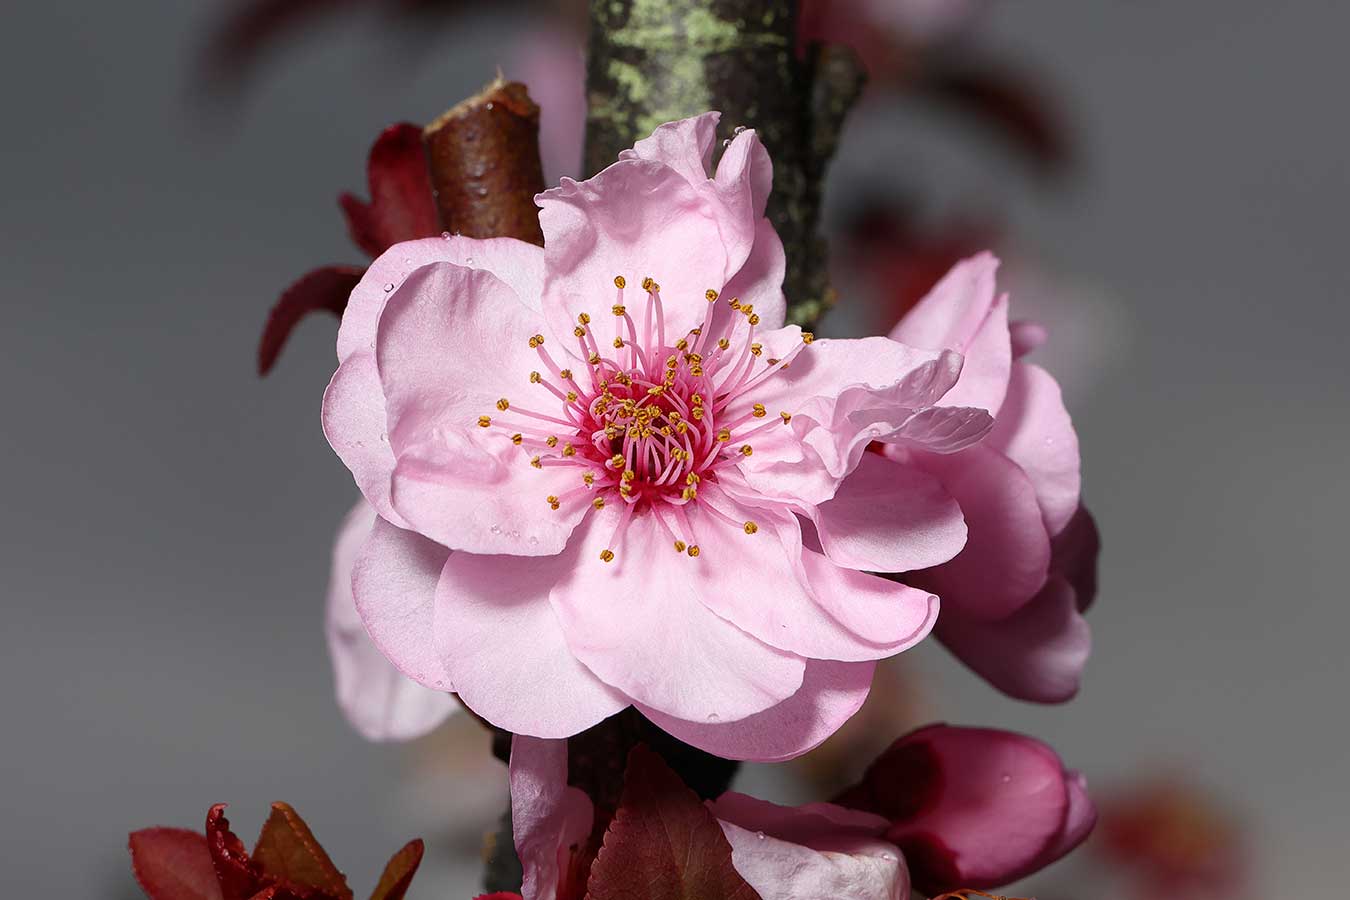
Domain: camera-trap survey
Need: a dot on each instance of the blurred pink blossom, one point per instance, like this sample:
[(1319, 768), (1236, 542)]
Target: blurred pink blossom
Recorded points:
[(632, 533)]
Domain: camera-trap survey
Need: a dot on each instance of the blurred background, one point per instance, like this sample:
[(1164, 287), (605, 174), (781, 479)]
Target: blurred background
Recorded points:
[(169, 514)]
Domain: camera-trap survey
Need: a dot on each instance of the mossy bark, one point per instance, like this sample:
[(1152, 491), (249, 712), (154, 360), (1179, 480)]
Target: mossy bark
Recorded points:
[(653, 61)]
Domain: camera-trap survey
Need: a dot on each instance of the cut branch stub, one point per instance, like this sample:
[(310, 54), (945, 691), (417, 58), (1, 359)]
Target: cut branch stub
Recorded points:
[(653, 62), (483, 156)]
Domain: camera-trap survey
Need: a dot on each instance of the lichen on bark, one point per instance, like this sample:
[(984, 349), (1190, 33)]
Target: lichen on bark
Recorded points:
[(653, 61)]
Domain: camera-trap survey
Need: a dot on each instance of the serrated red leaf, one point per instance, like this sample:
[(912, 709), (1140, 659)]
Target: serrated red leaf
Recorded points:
[(173, 864), (288, 852), (401, 206), (239, 879), (663, 844), (325, 289), (399, 871)]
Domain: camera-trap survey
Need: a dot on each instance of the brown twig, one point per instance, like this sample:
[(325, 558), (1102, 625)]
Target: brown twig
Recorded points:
[(483, 156)]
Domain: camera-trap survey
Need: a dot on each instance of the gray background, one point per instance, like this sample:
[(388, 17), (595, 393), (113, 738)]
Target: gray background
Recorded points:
[(167, 518)]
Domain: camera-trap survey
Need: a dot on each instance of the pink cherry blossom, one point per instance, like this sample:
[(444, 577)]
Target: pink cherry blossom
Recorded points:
[(974, 807), (1013, 598), (815, 852), (607, 473)]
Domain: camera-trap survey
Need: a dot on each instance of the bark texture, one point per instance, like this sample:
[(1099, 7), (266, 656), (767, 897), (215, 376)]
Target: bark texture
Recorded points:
[(652, 61)]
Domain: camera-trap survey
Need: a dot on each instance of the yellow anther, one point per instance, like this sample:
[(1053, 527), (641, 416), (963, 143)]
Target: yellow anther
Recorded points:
[(551, 440), (696, 331), (569, 450), (746, 449), (807, 337), (787, 417), (748, 308), (758, 410), (696, 371), (484, 421), (552, 501), (618, 343), (594, 359), (618, 309), (616, 460), (584, 318), (711, 295), (537, 463), (589, 478), (697, 413), (689, 493), (535, 378), (517, 438), (723, 343), (654, 391), (579, 331), (620, 282), (754, 319), (696, 399), (503, 404), (723, 435), (679, 546), (598, 503), (751, 528), (681, 344), (693, 550), (735, 302), (566, 374), (628, 475), (771, 361), (757, 349), (606, 555), (571, 396), (691, 478), (536, 341)]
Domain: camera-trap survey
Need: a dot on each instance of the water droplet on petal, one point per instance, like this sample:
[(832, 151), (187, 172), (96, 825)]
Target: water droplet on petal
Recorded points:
[(739, 129), (726, 143), (533, 539), (1006, 779), (384, 437), (445, 235), (496, 529), (468, 260), (713, 717), (388, 286), (760, 835)]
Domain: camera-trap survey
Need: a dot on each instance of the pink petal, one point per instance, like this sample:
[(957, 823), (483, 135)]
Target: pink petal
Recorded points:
[(355, 423), (503, 647), (745, 172), (1078, 822), (830, 694), (641, 624), (889, 517), (942, 429), (971, 807), (1073, 554), (892, 616), (1038, 653), (547, 816), (394, 582), (519, 264), (817, 852), (1007, 553), (962, 313), (637, 218), (685, 145), (759, 283), (379, 701), (764, 591), (1027, 337), (1034, 430), (452, 342)]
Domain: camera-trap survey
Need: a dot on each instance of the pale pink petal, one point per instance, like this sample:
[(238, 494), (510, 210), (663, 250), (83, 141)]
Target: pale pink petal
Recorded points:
[(1038, 653), (637, 218), (762, 584), (1007, 552), (647, 605), (504, 649), (547, 816), (963, 314), (816, 852), (452, 343), (759, 283), (380, 701), (745, 166), (830, 694), (1034, 430), (356, 426), (685, 145), (394, 582), (995, 803), (1078, 821), (1027, 337), (889, 517), (942, 429), (517, 263), (892, 616)]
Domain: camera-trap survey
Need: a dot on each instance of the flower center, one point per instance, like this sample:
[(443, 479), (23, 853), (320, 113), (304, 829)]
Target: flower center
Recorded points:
[(647, 422)]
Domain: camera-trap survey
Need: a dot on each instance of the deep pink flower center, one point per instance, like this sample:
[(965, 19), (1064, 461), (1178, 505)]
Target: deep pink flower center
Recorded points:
[(647, 422)]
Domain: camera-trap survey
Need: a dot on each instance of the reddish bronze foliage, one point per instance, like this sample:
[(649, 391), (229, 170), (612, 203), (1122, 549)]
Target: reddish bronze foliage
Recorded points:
[(287, 863), (401, 206), (321, 290)]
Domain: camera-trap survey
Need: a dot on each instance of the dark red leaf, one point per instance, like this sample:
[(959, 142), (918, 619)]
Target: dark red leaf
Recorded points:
[(399, 872), (323, 289), (239, 879), (401, 206), (173, 864), (287, 852), (663, 843), (1007, 99)]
